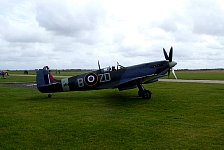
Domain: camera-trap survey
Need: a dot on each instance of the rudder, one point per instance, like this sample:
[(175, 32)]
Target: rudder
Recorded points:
[(44, 77)]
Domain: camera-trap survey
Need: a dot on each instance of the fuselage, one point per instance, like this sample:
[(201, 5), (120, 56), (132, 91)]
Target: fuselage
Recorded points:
[(121, 78)]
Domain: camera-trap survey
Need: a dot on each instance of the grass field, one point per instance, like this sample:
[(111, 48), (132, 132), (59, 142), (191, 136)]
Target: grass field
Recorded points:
[(18, 76), (179, 116), (201, 75), (13, 78)]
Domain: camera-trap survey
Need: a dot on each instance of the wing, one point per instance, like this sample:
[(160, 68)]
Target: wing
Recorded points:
[(132, 82)]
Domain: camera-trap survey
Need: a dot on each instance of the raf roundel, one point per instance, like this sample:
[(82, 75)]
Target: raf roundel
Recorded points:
[(91, 79)]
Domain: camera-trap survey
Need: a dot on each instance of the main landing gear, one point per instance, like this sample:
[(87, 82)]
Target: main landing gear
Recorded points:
[(146, 94)]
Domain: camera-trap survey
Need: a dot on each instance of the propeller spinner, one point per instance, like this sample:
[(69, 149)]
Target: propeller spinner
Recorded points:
[(171, 62)]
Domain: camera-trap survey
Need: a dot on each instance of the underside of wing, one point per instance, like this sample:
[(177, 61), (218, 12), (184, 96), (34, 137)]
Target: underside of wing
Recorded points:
[(132, 82)]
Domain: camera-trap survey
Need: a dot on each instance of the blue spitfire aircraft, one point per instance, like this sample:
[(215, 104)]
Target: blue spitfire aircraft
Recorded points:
[(123, 78)]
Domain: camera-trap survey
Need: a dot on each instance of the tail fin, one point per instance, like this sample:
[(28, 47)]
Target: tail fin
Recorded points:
[(46, 82), (44, 78)]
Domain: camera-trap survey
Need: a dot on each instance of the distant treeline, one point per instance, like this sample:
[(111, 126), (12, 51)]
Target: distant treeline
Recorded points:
[(72, 70), (78, 70), (67, 70)]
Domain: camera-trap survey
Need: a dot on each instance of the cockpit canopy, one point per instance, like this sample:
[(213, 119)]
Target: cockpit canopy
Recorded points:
[(112, 68)]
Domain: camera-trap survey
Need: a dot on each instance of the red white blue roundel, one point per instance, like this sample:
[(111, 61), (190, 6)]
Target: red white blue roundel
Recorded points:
[(91, 79)]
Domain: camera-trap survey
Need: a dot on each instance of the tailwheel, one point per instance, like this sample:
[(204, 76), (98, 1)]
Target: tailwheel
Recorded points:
[(49, 95)]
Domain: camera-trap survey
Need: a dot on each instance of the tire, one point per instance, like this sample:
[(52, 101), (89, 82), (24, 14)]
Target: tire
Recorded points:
[(49, 95), (146, 94)]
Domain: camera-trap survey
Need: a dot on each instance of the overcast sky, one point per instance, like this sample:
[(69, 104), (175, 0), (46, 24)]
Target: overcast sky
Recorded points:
[(78, 33)]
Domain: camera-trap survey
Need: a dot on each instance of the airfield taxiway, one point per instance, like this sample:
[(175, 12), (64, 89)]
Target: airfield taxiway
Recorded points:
[(193, 81)]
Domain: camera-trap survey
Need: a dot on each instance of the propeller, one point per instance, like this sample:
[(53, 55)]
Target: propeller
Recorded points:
[(171, 62)]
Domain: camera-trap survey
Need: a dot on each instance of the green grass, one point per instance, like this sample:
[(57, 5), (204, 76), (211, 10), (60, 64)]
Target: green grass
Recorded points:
[(200, 75), (31, 72), (13, 78), (179, 116), (18, 76)]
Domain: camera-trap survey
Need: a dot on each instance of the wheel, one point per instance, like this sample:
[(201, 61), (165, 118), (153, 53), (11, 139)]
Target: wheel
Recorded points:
[(49, 95), (146, 94)]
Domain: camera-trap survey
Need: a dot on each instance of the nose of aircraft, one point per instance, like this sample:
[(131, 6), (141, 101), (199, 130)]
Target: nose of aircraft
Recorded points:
[(172, 64)]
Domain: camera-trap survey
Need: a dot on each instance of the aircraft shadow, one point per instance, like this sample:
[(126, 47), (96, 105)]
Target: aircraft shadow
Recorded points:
[(124, 99), (110, 98)]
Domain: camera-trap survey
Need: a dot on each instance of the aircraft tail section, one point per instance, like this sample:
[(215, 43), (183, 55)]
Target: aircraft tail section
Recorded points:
[(46, 82), (44, 77)]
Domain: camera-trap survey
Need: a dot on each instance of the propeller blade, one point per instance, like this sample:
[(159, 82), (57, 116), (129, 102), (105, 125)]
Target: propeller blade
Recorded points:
[(171, 62), (165, 54), (169, 73), (171, 54), (174, 74)]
